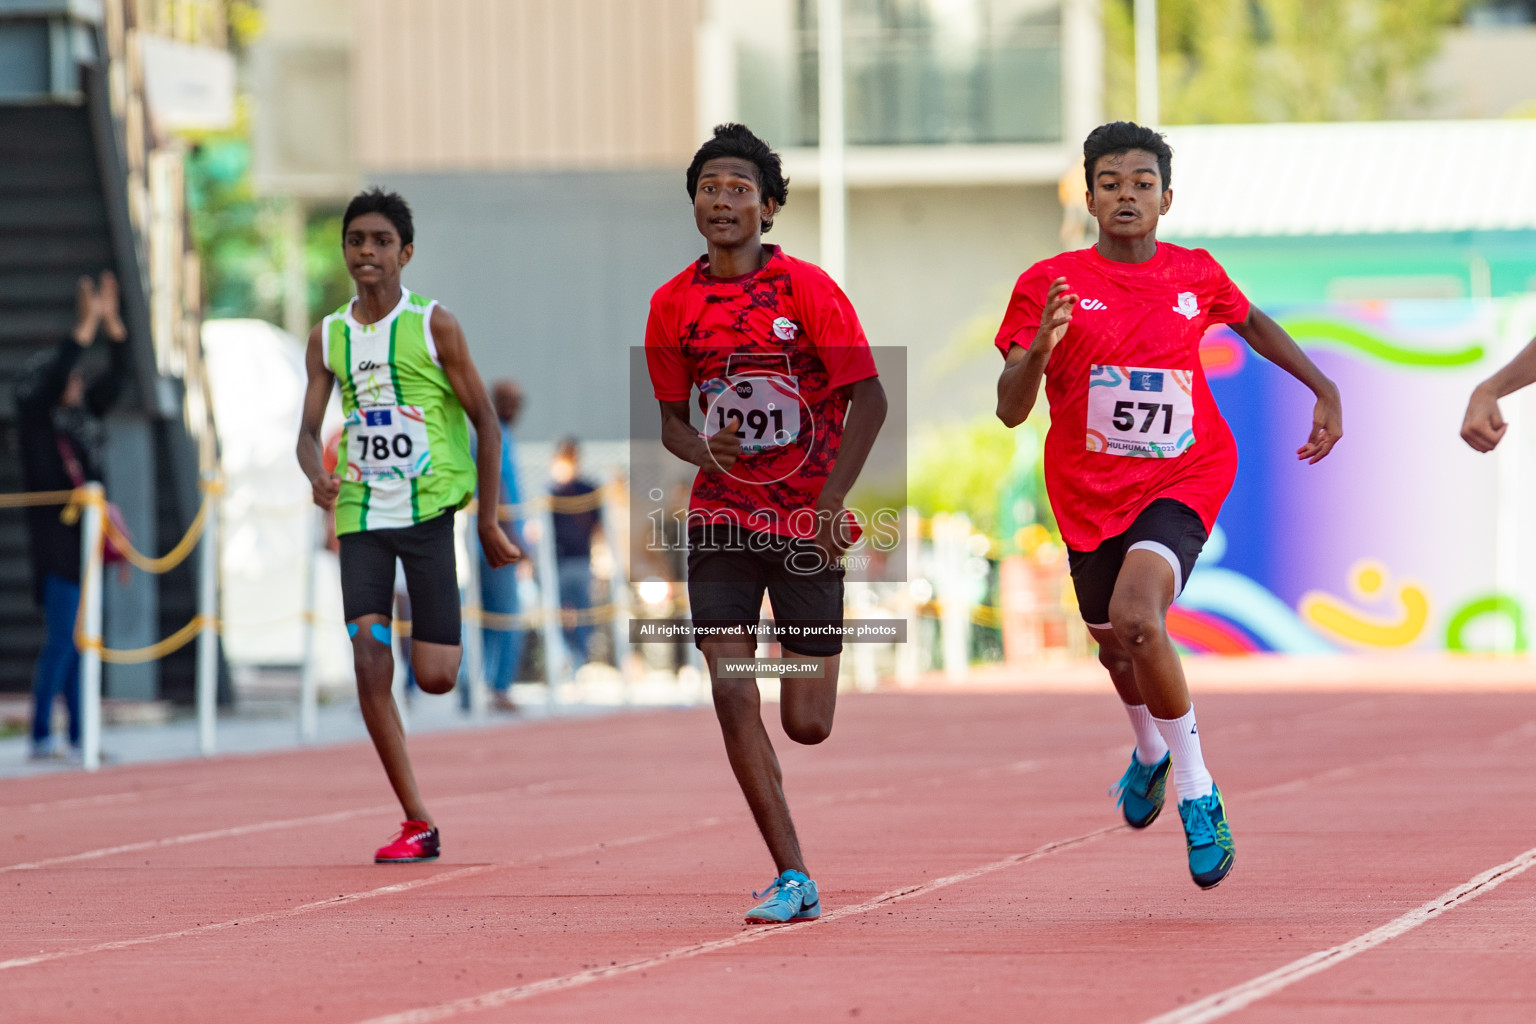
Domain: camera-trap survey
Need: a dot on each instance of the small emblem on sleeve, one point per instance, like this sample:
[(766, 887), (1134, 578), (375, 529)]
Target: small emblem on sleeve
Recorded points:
[(785, 329), (1189, 306)]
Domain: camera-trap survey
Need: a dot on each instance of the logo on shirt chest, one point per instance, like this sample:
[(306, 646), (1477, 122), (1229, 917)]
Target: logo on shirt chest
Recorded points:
[(785, 329), (1093, 304), (1189, 305)]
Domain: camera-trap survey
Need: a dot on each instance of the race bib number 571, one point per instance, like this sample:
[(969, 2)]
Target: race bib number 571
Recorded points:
[(1140, 412)]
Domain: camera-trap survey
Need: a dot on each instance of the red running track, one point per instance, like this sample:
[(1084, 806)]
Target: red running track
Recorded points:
[(967, 852)]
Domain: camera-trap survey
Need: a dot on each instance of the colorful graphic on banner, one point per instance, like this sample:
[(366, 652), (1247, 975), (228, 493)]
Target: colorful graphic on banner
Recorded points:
[(1396, 540)]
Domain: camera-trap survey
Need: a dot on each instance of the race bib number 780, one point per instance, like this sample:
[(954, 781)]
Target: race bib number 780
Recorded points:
[(387, 442), (1140, 412)]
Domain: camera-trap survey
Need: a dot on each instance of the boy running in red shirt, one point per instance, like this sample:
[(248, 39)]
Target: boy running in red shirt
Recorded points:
[(1138, 458), (791, 405)]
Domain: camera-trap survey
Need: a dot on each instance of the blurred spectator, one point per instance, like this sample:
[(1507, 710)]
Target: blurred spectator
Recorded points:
[(58, 425), (498, 587), (574, 526)]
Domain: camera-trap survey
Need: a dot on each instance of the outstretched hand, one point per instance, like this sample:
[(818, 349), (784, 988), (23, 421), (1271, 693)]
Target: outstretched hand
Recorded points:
[(724, 446), (1057, 316), (1327, 428), (109, 307), (499, 549), (1484, 426), (87, 312), (324, 489)]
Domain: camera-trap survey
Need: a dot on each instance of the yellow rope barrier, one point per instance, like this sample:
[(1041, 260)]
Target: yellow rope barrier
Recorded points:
[(30, 498), (138, 655), (172, 558)]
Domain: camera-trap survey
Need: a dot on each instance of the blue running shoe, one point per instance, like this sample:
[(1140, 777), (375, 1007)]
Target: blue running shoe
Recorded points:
[(791, 897), (1208, 839), (1140, 791)]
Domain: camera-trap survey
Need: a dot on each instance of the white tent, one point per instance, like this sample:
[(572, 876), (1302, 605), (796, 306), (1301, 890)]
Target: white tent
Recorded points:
[(257, 379)]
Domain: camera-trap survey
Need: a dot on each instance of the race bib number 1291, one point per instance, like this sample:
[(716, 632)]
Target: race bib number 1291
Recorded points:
[(1140, 412)]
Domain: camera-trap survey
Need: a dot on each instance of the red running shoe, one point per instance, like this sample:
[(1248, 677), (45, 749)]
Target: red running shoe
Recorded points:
[(415, 841)]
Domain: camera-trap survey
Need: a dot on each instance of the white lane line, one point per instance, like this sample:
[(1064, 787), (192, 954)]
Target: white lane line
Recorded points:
[(355, 897), (517, 993), (1015, 767), (1235, 998), (105, 799), (267, 826)]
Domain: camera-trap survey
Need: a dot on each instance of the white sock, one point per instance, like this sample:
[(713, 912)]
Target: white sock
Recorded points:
[(1183, 738), (1150, 747)]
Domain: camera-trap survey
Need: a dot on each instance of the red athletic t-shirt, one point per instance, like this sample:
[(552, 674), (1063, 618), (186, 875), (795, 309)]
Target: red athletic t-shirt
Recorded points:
[(776, 345), (1132, 417)]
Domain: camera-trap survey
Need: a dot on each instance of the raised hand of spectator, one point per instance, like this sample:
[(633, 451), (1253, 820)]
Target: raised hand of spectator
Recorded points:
[(109, 307), (87, 312)]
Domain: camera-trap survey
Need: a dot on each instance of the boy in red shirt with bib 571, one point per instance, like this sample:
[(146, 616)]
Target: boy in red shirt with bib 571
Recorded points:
[(1138, 458)]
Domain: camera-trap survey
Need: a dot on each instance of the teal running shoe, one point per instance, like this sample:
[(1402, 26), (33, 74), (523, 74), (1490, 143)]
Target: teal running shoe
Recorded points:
[(1209, 840), (1140, 791), (790, 897)]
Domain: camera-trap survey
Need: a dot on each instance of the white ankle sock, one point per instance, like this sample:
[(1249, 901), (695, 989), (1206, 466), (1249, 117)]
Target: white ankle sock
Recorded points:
[(1189, 775), (1150, 747)]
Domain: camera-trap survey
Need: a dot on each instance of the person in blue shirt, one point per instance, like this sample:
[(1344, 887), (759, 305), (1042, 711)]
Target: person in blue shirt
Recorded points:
[(575, 521), (498, 587)]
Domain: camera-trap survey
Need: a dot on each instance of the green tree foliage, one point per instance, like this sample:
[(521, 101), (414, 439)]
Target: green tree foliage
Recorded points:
[(240, 239), (1242, 61), (983, 469)]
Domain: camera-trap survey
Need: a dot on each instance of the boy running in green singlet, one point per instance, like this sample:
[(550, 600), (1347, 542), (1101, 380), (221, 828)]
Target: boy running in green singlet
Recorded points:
[(410, 392)]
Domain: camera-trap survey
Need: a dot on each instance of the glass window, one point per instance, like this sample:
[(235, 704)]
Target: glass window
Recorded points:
[(919, 72)]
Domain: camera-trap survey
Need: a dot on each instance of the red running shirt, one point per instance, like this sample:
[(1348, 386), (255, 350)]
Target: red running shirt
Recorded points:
[(1132, 417), (776, 345)]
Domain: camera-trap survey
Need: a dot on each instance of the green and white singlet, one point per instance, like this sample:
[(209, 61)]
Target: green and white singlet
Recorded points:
[(404, 454)]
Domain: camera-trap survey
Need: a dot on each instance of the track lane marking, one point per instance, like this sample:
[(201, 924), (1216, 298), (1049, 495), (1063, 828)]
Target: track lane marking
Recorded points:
[(517, 993), (1237, 997), (468, 871), (276, 825), (236, 831), (1012, 767)]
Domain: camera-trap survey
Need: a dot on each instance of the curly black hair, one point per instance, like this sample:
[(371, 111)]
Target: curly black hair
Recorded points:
[(391, 204), (737, 140), (1121, 137)]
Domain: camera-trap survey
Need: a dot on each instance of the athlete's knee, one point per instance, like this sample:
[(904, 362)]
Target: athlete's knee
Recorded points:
[(808, 731), (1137, 624), (1114, 659), (371, 652), (435, 679), (736, 700)]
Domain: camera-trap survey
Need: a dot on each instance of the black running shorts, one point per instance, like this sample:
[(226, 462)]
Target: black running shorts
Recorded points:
[(729, 568), (431, 576), (1166, 527)]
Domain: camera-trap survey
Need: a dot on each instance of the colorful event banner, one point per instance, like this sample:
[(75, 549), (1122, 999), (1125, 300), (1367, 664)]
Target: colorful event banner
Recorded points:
[(1403, 538)]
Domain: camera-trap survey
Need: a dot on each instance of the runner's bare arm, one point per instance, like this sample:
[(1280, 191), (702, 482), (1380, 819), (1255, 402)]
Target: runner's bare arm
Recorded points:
[(867, 406), (317, 394), (715, 455), (453, 355), (1019, 385), (1483, 427), (1271, 341)]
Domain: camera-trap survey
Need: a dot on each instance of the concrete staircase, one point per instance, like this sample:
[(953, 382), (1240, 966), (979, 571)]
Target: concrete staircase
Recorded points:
[(65, 211)]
